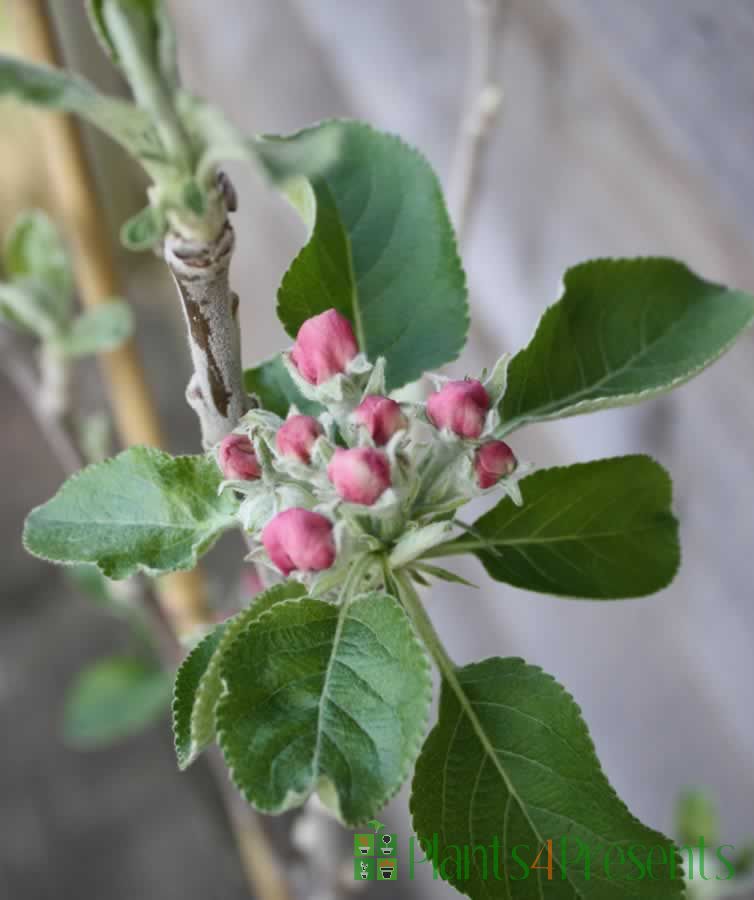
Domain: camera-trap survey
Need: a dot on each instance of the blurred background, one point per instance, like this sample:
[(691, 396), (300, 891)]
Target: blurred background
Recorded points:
[(625, 129)]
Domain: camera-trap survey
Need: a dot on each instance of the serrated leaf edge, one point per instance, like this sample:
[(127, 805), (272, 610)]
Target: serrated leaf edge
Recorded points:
[(294, 800), (668, 513), (118, 574), (618, 400), (185, 759), (535, 669), (234, 629)]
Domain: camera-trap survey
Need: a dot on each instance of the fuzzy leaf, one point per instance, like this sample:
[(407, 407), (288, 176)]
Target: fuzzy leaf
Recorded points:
[(601, 529), (35, 249), (274, 387), (142, 510), (198, 685), (623, 331), (150, 23), (98, 330), (510, 761), (59, 90), (327, 698), (144, 230), (444, 575), (29, 306), (382, 250), (113, 699), (697, 816)]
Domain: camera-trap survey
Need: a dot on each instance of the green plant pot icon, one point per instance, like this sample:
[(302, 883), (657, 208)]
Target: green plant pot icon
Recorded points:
[(387, 869), (364, 869), (363, 845), (387, 845)]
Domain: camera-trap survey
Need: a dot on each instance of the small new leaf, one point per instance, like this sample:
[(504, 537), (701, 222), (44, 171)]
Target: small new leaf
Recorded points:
[(150, 23), (34, 249), (198, 685), (623, 331), (144, 230), (275, 390), (98, 330), (143, 510), (324, 698), (601, 530), (444, 575), (697, 816), (113, 699), (28, 305), (510, 765)]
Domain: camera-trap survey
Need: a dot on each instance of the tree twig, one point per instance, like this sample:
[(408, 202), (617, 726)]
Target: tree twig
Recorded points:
[(200, 271), (480, 112), (182, 594), (26, 382)]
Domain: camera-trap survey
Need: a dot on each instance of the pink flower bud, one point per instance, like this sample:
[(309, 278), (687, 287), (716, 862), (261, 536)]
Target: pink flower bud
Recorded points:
[(492, 462), (381, 416), (324, 346), (360, 475), (299, 540), (460, 406), (237, 458), (296, 437)]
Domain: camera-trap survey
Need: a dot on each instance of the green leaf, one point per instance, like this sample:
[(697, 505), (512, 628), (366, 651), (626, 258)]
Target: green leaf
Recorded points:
[(142, 510), (215, 139), (94, 436), (35, 249), (144, 230), (623, 331), (59, 90), (510, 761), (600, 529), (444, 575), (187, 680), (29, 306), (198, 685), (743, 860), (98, 330), (276, 390), (193, 198), (327, 698), (697, 816), (151, 23), (113, 699), (382, 250)]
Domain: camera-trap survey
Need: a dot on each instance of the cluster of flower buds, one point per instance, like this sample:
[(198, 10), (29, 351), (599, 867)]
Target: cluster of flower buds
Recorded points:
[(368, 472)]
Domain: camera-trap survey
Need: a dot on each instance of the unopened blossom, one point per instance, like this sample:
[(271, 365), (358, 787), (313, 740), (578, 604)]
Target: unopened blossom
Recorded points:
[(493, 461), (360, 475), (325, 345), (460, 406), (299, 540), (296, 437), (381, 416), (237, 458)]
